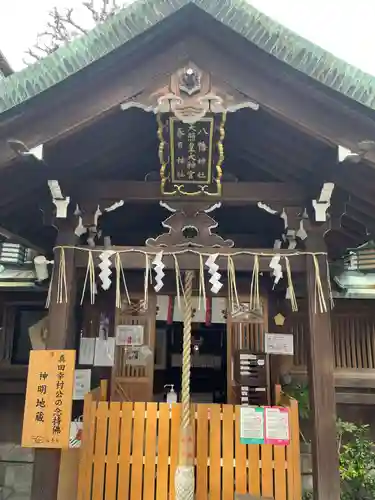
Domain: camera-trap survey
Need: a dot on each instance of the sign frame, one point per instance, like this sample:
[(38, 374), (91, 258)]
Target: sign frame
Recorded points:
[(279, 343), (49, 398)]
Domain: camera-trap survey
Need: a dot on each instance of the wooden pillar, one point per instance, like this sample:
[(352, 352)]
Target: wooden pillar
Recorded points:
[(61, 335), (321, 381)]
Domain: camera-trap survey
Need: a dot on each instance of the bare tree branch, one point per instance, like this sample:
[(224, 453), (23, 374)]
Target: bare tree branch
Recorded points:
[(63, 26)]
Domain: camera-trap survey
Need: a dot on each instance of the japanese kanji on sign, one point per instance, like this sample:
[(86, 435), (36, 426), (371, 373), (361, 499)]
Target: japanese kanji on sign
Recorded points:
[(191, 155), (48, 405)]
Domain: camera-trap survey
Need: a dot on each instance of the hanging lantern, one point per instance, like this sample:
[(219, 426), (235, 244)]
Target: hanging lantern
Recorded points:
[(191, 155), (362, 258)]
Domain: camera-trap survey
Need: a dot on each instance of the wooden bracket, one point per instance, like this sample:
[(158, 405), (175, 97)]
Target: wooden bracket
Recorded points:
[(190, 94), (189, 225)]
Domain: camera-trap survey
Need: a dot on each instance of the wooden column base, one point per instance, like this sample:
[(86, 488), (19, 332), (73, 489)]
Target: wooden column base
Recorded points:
[(45, 474)]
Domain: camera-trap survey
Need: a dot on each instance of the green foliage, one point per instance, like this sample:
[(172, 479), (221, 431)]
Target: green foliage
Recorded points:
[(357, 461), (300, 392), (307, 495), (355, 448)]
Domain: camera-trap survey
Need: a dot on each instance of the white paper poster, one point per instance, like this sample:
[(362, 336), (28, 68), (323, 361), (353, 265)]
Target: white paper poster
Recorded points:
[(105, 352), (279, 343), (277, 425), (86, 351), (252, 425), (131, 335), (82, 383)]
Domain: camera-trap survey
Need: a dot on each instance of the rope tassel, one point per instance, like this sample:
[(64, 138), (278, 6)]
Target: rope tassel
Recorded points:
[(120, 273), (232, 286), (319, 293), (202, 286), (254, 301), (292, 294), (62, 290), (90, 278)]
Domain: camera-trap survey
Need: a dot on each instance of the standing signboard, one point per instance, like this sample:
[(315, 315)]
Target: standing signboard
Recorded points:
[(48, 404)]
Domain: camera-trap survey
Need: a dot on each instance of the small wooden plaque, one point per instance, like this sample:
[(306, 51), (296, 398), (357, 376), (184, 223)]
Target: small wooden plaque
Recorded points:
[(49, 395)]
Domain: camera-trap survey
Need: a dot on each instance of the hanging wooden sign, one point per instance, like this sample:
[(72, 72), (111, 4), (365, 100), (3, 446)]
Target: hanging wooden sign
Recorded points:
[(48, 404), (191, 155)]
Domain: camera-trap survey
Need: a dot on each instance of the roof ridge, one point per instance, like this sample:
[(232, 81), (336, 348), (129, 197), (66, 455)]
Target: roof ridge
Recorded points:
[(239, 15)]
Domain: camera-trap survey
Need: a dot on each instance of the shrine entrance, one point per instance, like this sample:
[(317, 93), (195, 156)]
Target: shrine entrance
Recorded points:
[(208, 361)]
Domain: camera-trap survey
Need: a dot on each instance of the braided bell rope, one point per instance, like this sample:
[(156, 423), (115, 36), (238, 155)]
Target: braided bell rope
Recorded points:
[(184, 476), (186, 350)]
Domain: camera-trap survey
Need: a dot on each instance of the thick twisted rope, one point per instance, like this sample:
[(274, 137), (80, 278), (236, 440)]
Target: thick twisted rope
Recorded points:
[(186, 350), (184, 478)]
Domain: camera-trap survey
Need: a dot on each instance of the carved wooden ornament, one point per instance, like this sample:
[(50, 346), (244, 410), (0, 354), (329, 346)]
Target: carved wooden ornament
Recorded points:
[(189, 226), (189, 95)]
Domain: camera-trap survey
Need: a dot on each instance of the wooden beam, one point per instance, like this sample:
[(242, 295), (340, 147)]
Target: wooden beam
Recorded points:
[(48, 121), (147, 192), (61, 335), (281, 172), (355, 398), (241, 240), (321, 382), (362, 213), (134, 258), (355, 378), (310, 110)]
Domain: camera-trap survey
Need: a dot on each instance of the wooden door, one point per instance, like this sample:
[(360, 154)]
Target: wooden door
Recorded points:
[(135, 383), (244, 334)]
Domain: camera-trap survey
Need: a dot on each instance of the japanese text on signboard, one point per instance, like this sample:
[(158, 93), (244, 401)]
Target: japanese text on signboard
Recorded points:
[(191, 155), (191, 151), (48, 403)]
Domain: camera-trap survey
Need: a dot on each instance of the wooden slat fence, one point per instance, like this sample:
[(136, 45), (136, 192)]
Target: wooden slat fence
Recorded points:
[(130, 451), (353, 337)]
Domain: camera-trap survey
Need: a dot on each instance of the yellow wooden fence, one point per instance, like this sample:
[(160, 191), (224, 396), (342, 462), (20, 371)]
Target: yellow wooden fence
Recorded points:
[(130, 452)]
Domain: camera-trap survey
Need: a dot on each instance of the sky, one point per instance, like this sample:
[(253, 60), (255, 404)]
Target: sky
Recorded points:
[(343, 27)]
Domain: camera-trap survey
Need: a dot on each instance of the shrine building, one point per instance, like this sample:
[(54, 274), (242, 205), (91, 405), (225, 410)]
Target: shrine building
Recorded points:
[(188, 186)]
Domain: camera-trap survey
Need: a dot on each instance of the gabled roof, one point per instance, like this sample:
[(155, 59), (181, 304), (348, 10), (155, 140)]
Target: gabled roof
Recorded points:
[(238, 15)]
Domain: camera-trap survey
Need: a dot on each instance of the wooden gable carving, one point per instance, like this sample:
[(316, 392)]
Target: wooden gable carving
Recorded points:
[(190, 93)]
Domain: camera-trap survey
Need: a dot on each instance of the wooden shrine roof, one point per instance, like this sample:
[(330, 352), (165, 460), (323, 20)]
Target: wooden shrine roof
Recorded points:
[(121, 150), (142, 15), (309, 102)]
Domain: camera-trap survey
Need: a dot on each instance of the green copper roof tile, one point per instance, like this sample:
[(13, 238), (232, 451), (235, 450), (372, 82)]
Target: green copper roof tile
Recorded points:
[(238, 15)]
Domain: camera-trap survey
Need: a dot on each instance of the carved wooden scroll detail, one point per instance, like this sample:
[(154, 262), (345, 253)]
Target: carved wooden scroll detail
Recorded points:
[(190, 225), (190, 94)]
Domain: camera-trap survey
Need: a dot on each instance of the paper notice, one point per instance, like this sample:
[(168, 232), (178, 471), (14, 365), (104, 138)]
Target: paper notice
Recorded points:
[(252, 425), (277, 425)]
